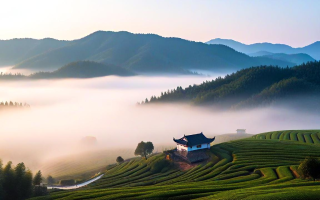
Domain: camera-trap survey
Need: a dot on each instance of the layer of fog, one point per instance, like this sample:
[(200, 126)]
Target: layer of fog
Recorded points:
[(64, 111), (11, 70)]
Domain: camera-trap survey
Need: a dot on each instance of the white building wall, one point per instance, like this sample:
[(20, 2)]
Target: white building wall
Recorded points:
[(203, 146), (181, 148), (241, 131), (193, 148)]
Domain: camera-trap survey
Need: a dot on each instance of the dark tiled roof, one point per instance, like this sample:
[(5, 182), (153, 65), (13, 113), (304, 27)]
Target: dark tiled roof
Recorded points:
[(194, 140)]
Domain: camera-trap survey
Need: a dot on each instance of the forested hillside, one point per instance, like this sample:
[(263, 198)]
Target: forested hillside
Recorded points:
[(145, 53), (250, 87), (297, 59), (16, 50)]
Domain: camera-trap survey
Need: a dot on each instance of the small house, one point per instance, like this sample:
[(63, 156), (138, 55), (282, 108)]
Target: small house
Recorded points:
[(241, 131), (193, 142)]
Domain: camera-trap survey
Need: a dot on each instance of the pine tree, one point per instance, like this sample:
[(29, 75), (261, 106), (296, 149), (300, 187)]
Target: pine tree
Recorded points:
[(37, 178)]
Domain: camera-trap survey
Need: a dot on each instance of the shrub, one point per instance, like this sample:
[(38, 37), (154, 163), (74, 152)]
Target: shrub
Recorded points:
[(119, 159), (310, 168)]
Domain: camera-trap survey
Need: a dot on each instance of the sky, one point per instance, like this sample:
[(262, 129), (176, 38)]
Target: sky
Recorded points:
[(291, 22)]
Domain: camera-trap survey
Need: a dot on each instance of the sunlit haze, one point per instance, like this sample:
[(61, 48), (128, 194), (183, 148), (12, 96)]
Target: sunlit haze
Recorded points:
[(65, 111), (289, 22), (159, 99)]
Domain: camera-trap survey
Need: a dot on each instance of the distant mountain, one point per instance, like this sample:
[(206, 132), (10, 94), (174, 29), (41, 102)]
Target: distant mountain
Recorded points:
[(313, 49), (297, 59), (144, 53), (16, 50), (253, 87), (274, 62), (83, 69), (260, 53)]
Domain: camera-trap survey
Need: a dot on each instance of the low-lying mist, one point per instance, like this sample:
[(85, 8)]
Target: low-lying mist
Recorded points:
[(65, 111)]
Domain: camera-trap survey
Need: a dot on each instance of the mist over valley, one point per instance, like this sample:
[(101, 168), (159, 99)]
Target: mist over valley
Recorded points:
[(144, 100), (65, 111)]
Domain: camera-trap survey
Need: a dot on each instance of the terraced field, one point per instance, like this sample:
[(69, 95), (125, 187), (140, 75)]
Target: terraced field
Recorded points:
[(262, 167), (305, 136)]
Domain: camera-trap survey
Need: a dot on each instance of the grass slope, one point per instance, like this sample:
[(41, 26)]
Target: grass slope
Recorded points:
[(254, 168)]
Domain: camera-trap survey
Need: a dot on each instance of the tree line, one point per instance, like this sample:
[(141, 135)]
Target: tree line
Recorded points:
[(255, 84), (11, 104), (17, 182)]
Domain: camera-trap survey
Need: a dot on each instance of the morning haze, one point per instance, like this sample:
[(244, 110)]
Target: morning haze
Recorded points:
[(159, 99)]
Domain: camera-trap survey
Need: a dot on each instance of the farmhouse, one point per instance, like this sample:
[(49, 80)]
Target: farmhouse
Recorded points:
[(193, 142)]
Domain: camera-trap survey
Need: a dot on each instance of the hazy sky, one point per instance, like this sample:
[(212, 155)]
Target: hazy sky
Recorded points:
[(291, 22)]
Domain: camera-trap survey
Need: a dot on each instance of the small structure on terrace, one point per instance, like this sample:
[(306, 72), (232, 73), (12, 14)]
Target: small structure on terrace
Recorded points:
[(192, 148), (193, 142), (241, 131)]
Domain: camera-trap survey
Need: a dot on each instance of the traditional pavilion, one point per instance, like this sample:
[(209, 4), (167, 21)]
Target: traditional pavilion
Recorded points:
[(193, 142)]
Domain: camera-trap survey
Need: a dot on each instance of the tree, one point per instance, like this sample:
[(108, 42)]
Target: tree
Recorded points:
[(15, 182), (144, 149), (37, 178), (9, 185), (50, 180), (310, 168), (1, 181), (119, 159), (23, 181)]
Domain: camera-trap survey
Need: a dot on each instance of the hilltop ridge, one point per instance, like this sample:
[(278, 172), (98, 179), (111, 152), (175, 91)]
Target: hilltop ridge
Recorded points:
[(312, 49), (141, 53)]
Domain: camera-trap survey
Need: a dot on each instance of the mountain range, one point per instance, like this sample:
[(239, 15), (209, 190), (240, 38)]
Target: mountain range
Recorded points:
[(141, 53), (252, 87), (313, 49)]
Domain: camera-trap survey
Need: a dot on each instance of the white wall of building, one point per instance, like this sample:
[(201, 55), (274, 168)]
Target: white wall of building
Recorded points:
[(241, 131), (181, 148), (193, 148)]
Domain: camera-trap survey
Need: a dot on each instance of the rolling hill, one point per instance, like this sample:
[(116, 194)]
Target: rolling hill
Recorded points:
[(262, 167), (313, 49), (83, 69), (296, 59), (253, 87), (260, 53), (15, 51), (143, 53)]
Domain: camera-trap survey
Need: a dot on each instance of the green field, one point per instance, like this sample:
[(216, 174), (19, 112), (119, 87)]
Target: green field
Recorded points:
[(82, 165), (261, 167)]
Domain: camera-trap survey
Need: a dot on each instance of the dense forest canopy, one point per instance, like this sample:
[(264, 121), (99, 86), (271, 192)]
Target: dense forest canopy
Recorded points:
[(249, 87)]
